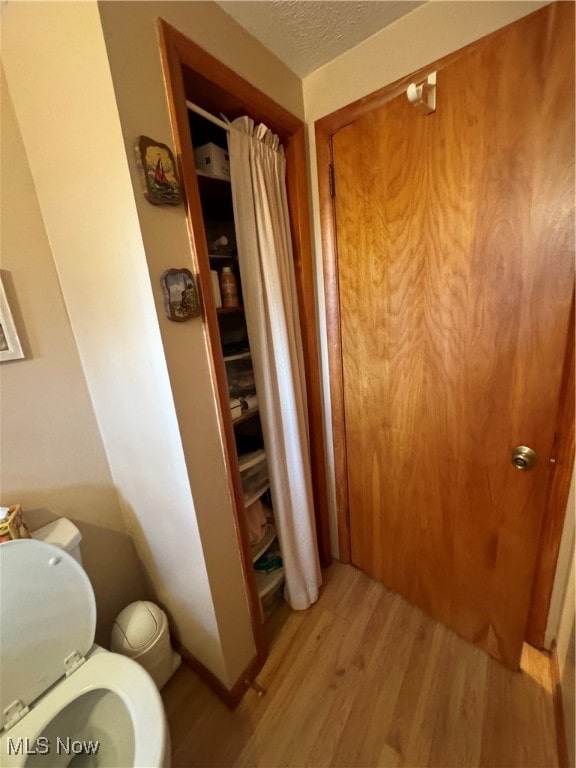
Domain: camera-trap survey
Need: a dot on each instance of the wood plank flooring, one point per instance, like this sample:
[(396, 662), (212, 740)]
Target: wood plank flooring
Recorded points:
[(365, 679)]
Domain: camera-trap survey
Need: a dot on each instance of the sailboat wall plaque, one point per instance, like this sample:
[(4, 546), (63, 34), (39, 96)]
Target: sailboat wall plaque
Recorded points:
[(158, 172)]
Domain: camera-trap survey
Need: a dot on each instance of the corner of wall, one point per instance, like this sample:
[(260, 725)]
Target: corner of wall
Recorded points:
[(80, 170)]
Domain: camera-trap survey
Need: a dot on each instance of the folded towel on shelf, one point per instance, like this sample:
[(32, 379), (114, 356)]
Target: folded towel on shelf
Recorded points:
[(236, 407)]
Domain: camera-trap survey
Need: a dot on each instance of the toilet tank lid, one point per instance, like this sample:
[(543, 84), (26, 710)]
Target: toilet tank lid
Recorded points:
[(61, 533)]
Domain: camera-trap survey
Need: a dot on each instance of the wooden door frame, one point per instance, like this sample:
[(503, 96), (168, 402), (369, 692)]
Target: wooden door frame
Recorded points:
[(181, 58), (558, 483)]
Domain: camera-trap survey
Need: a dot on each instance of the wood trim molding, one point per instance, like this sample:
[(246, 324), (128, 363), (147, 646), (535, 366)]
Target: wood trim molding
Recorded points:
[(181, 57), (257, 104), (324, 130), (178, 51), (561, 740), (557, 491), (559, 480), (172, 64), (230, 697), (305, 283)]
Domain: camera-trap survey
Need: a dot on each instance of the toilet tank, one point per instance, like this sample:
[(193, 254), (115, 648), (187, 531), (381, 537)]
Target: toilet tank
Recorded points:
[(61, 533)]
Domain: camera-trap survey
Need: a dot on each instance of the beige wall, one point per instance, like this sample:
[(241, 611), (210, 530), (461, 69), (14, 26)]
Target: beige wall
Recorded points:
[(562, 618), (563, 592), (142, 106), (130, 30), (53, 459), (149, 379), (567, 681), (59, 78), (425, 35)]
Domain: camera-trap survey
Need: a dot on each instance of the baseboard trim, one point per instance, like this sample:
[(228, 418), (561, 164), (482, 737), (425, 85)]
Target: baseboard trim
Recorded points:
[(230, 697), (561, 740)]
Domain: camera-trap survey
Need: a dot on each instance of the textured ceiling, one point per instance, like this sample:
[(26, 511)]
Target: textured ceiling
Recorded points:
[(306, 34)]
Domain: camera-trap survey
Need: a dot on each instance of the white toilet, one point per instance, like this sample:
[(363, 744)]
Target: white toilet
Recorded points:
[(63, 700)]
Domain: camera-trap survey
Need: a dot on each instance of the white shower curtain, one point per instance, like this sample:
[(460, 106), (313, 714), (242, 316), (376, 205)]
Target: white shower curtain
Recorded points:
[(257, 170)]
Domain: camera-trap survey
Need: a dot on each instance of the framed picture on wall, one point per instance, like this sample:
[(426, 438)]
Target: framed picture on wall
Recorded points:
[(158, 172), (181, 299), (10, 347)]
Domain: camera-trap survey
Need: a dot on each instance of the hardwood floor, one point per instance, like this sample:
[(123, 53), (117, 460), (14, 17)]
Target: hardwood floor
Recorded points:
[(364, 679)]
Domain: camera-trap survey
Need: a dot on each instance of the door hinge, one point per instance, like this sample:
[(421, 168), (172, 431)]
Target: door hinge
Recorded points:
[(331, 180)]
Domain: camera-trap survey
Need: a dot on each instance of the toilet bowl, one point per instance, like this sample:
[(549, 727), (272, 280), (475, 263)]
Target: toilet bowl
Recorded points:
[(64, 701)]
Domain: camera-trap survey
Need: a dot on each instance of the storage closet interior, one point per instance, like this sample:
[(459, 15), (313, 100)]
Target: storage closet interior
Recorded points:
[(212, 168)]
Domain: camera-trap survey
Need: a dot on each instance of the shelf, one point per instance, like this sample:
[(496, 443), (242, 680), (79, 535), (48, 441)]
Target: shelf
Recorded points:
[(252, 497), (220, 256), (247, 460), (265, 582), (245, 416), (261, 547), (215, 196), (229, 310), (205, 175), (239, 356)]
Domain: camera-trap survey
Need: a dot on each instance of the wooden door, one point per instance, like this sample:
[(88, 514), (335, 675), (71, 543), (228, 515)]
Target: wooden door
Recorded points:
[(455, 254)]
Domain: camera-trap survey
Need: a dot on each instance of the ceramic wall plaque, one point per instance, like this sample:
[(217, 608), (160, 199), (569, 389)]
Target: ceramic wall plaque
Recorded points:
[(158, 169), (181, 299)]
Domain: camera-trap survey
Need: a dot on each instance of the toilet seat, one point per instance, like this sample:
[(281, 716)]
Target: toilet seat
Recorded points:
[(116, 674), (55, 684), (47, 604)]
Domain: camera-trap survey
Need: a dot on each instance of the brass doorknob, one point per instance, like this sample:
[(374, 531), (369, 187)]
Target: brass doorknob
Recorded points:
[(523, 457)]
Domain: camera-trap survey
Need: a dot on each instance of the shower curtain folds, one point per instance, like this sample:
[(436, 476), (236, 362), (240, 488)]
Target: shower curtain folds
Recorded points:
[(257, 171)]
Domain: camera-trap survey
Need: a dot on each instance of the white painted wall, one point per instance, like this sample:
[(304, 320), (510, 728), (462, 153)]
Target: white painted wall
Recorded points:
[(59, 79)]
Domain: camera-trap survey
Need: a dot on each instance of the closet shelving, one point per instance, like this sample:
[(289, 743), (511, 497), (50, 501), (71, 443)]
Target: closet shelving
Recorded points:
[(216, 200)]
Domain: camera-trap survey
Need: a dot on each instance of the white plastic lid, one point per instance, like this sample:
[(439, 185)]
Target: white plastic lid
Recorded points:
[(137, 626), (47, 613), (62, 533)]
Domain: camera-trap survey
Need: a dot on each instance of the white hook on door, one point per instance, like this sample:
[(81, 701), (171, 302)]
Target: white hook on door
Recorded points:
[(423, 96)]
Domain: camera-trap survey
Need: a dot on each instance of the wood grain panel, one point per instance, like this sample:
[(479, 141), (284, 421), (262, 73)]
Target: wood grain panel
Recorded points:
[(324, 157), (556, 504), (297, 190), (455, 269)]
